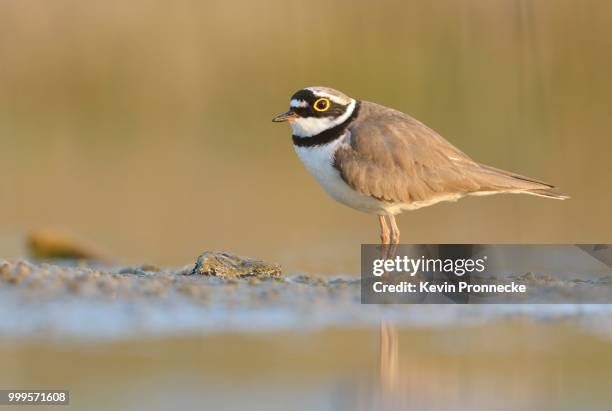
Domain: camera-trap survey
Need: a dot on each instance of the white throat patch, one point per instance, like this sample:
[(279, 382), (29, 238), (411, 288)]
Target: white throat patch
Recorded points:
[(311, 126)]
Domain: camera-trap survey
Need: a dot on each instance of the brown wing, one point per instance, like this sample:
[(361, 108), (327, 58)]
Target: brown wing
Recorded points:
[(393, 157)]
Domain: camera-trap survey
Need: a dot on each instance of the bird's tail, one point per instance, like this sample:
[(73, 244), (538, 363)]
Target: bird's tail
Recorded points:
[(513, 182), (548, 193)]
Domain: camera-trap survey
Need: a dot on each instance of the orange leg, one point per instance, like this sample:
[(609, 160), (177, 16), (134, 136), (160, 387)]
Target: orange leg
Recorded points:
[(395, 232), (384, 230)]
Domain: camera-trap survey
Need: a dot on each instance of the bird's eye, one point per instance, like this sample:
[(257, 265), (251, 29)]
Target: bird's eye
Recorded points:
[(321, 104)]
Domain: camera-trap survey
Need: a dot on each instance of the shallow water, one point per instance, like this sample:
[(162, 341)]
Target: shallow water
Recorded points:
[(513, 365)]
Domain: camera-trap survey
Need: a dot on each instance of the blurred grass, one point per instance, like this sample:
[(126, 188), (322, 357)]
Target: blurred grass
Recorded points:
[(145, 126)]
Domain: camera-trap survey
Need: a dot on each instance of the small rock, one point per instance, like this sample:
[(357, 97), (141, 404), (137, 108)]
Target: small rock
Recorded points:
[(232, 266), (48, 244)]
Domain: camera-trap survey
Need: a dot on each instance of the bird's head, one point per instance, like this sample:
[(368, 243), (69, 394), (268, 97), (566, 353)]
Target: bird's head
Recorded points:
[(313, 110)]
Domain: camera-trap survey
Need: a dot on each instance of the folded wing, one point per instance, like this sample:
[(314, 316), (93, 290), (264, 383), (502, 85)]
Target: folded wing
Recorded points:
[(395, 158)]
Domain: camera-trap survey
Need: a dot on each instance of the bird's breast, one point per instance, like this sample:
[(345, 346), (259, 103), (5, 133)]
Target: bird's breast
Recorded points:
[(319, 161)]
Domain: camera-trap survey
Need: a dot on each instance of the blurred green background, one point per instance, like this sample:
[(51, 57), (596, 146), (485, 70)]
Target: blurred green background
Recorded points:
[(144, 126)]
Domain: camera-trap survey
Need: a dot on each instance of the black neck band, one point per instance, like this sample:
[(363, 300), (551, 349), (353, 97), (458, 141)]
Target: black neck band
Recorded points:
[(328, 135)]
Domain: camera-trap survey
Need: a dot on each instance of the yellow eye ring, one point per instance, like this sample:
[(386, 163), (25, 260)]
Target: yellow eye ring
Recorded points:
[(324, 108)]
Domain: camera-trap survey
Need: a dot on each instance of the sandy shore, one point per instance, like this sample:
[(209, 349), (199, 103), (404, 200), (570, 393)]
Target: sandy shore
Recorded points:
[(82, 302)]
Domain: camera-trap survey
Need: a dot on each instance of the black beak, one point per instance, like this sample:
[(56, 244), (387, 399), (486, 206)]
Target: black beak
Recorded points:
[(289, 115)]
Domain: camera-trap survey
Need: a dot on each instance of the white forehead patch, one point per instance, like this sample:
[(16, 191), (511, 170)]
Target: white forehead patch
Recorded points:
[(297, 103), (336, 99)]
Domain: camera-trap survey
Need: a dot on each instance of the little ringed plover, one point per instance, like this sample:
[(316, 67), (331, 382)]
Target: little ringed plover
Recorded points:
[(378, 160)]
